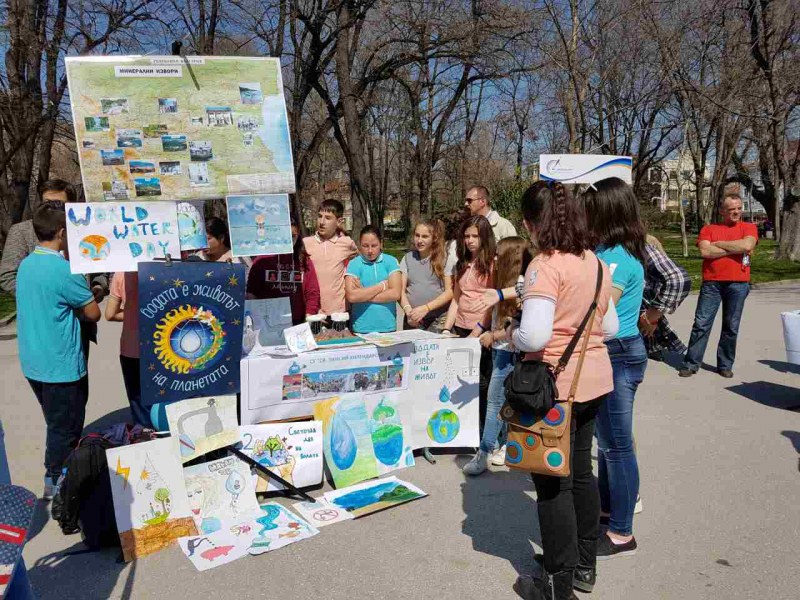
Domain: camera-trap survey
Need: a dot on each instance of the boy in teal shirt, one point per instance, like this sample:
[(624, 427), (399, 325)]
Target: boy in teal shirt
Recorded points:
[(49, 337), (373, 284)]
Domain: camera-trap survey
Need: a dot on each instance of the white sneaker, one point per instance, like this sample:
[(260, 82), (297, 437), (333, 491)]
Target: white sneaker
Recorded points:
[(478, 464), (638, 508), (499, 456), (49, 488)]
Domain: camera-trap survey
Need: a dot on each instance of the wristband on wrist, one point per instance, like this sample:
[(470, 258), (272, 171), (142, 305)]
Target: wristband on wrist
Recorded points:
[(427, 308), (480, 326), (500, 295), (406, 308)]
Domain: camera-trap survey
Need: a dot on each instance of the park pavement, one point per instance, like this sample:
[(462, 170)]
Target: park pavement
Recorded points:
[(720, 486)]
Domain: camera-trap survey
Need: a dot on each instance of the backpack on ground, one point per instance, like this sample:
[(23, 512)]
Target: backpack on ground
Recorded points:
[(83, 501)]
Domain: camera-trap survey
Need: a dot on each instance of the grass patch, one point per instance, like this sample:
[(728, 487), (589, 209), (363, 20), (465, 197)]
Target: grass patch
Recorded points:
[(763, 268), (7, 304)]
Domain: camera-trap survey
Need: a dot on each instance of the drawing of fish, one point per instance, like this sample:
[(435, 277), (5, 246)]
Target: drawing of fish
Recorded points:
[(291, 534), (213, 553)]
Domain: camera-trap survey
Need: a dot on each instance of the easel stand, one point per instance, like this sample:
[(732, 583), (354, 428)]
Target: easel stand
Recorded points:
[(288, 487)]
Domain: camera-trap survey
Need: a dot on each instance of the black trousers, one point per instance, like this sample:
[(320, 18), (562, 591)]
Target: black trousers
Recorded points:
[(569, 507), (485, 371), (133, 389), (64, 409)]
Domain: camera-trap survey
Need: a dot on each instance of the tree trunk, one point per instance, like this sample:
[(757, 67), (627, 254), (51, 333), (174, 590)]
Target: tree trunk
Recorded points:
[(789, 247)]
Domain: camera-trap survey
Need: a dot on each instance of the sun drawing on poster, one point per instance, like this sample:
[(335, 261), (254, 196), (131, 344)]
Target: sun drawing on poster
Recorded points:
[(188, 338)]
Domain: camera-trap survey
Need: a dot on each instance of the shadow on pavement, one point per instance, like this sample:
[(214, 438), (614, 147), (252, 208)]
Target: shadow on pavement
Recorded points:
[(76, 573), (794, 437), (780, 366), (41, 514), (121, 415), (501, 517), (769, 394)]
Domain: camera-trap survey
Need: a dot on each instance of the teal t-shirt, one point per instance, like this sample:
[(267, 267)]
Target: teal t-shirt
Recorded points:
[(627, 275), (372, 317), (48, 330)]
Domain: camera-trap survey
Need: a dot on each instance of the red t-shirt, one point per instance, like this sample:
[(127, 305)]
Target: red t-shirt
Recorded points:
[(280, 276), (726, 268)]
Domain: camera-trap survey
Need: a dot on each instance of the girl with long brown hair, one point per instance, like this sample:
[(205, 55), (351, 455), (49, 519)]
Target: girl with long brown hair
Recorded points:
[(427, 273), (513, 257), (475, 251), (559, 289)]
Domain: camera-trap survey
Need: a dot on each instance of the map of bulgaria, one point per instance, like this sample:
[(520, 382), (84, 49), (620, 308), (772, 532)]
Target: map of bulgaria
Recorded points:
[(174, 128)]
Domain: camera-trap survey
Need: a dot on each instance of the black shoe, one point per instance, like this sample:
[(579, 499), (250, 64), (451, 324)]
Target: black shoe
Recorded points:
[(726, 373), (585, 574), (607, 549), (686, 373), (529, 588)]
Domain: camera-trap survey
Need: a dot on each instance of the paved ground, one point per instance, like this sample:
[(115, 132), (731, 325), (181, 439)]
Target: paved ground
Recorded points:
[(720, 485)]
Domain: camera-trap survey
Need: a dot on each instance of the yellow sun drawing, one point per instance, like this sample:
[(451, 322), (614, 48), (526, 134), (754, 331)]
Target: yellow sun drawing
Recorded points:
[(187, 338)]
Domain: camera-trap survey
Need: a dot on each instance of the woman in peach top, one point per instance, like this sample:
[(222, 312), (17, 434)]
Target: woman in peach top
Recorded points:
[(560, 285), (473, 274)]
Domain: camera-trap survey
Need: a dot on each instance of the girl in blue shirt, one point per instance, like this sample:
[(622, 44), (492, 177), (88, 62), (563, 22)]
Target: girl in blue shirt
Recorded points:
[(372, 285), (612, 211)]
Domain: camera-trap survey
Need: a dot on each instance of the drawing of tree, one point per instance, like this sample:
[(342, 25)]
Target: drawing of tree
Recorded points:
[(162, 496)]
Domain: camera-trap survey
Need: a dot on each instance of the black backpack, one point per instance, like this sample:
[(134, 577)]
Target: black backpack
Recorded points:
[(84, 502)]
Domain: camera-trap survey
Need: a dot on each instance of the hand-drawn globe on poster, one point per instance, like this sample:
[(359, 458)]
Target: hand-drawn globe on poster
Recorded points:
[(443, 426), (190, 329)]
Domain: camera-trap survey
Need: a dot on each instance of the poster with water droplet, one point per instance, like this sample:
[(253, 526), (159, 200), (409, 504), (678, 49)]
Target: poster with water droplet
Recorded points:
[(443, 385), (190, 329)]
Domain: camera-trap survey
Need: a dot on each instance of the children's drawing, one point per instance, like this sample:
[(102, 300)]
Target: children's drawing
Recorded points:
[(347, 441), (278, 527), (264, 322), (190, 329), (293, 451), (373, 496), (203, 424), (322, 513), (220, 493), (259, 224), (390, 434), (150, 502), (219, 548), (191, 225), (117, 236), (299, 338)]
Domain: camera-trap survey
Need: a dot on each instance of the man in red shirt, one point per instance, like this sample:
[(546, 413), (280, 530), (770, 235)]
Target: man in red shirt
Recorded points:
[(726, 250)]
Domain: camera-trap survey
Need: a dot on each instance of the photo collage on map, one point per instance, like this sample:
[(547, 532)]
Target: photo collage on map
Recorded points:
[(196, 130), (302, 386)]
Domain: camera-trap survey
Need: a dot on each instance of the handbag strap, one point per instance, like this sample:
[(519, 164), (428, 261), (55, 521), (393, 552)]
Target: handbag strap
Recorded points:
[(564, 360), (574, 387)]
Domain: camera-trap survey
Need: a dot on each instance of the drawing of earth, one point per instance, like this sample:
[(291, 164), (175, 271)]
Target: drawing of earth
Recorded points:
[(443, 426), (94, 247), (387, 441)]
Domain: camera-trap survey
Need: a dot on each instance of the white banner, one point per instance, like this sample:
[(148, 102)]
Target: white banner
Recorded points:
[(584, 168)]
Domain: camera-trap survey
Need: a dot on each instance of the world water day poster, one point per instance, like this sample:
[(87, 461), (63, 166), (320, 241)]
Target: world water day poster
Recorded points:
[(190, 329), (117, 236)]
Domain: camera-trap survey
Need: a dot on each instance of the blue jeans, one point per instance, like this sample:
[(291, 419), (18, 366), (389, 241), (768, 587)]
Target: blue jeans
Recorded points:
[(494, 428), (617, 469), (20, 586), (731, 294)]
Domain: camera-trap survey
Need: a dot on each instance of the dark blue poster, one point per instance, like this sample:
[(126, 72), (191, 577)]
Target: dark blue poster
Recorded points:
[(190, 329)]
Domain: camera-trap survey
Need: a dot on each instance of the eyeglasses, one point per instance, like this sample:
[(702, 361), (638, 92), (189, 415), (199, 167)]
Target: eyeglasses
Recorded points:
[(470, 200)]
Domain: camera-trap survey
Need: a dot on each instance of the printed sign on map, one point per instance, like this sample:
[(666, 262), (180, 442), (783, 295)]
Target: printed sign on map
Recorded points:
[(190, 329), (168, 127), (117, 236)]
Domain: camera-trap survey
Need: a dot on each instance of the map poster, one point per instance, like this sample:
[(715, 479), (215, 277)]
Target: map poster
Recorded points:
[(190, 329), (180, 128), (117, 236)]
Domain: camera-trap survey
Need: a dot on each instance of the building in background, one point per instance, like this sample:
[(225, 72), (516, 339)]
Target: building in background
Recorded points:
[(673, 180)]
